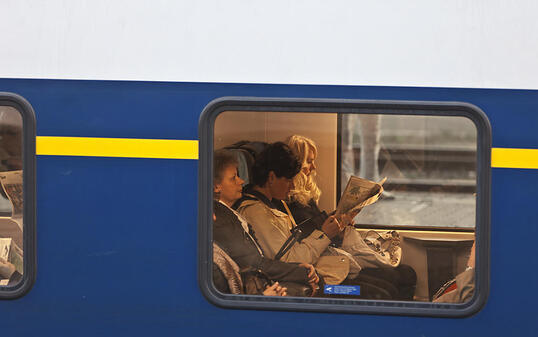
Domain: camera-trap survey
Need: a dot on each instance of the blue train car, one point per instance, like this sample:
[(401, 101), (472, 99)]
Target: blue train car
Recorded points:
[(114, 112)]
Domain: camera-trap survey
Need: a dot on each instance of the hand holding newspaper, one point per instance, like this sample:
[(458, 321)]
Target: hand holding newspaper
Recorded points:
[(359, 193)]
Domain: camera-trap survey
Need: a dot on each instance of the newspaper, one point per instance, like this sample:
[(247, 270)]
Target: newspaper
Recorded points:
[(12, 185), (10, 252), (359, 193)]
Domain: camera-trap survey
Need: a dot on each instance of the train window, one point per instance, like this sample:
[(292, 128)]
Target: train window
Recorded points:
[(17, 196), (350, 206), (429, 163)]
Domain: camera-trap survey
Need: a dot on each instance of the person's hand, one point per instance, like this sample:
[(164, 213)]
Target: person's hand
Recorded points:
[(312, 275), (347, 219), (6, 269), (331, 227), (313, 278), (275, 290)]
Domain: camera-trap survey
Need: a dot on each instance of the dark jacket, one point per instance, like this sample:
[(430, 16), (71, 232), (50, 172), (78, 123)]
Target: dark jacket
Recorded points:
[(310, 216), (229, 234)]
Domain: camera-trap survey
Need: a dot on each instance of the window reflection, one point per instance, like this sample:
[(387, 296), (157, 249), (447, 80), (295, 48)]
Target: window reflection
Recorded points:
[(11, 197), (429, 162), (429, 198)]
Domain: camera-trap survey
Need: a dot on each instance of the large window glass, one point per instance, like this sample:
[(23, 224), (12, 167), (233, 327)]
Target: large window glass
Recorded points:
[(17, 186), (344, 203), (429, 163)]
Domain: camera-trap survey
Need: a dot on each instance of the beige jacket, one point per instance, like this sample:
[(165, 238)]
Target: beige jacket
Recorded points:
[(272, 229), (458, 290)]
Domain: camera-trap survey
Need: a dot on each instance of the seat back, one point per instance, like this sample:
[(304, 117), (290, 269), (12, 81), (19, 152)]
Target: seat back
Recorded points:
[(246, 151)]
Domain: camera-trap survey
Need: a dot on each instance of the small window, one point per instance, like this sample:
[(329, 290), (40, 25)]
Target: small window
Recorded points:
[(352, 206), (17, 196)]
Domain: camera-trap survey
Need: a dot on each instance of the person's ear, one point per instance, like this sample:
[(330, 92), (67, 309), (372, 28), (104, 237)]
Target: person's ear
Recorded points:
[(272, 177), (216, 188)]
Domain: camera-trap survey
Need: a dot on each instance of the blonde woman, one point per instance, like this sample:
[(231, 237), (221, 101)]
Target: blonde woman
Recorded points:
[(304, 197), (303, 204)]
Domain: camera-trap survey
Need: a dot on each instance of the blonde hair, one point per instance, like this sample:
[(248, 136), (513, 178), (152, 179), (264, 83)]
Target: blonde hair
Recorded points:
[(304, 187)]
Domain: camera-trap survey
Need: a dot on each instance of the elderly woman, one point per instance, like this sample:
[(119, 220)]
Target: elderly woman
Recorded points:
[(235, 237), (303, 204), (272, 177)]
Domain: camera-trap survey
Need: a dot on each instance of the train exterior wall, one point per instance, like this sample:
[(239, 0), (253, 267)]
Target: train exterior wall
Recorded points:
[(117, 237)]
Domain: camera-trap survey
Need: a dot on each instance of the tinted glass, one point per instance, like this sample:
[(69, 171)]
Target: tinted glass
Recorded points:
[(401, 188), (11, 197)]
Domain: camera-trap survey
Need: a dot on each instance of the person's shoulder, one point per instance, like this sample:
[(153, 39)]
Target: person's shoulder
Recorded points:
[(255, 210), (295, 204), (219, 208), (248, 203), (223, 216), (299, 208), (466, 277), (246, 199)]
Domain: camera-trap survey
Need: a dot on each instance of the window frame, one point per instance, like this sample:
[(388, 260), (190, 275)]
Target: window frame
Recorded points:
[(29, 195), (254, 104)]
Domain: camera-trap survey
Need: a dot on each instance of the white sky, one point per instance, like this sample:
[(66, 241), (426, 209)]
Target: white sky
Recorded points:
[(480, 43)]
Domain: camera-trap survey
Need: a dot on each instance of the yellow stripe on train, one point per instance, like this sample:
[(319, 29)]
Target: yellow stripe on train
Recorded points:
[(188, 149), (514, 158), (117, 147)]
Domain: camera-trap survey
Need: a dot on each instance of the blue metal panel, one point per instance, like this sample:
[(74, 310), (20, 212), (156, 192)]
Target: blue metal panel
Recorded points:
[(171, 110), (117, 236)]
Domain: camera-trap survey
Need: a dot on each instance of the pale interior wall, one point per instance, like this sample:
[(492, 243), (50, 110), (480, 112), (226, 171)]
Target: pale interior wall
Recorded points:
[(232, 126)]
